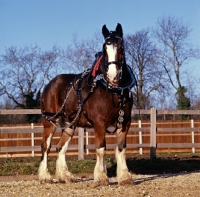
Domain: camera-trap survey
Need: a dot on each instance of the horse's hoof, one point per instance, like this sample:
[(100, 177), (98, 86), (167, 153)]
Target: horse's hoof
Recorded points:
[(126, 182), (101, 183), (67, 180), (71, 180), (46, 181)]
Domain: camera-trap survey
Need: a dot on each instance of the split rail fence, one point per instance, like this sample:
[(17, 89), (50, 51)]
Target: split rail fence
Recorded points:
[(144, 136)]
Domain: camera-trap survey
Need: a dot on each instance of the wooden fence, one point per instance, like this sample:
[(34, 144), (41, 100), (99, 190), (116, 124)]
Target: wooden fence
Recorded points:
[(144, 136)]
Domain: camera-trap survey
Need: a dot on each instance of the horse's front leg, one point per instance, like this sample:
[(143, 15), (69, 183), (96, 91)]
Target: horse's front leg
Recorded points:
[(123, 176), (100, 171), (62, 173)]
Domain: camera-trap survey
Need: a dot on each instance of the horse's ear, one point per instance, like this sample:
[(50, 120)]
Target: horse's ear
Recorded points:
[(105, 31), (119, 30)]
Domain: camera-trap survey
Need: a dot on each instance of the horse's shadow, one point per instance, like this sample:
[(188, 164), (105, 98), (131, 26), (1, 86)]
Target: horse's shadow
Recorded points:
[(159, 167)]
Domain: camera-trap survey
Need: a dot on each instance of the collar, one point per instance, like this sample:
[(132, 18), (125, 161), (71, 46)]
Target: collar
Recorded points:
[(118, 89)]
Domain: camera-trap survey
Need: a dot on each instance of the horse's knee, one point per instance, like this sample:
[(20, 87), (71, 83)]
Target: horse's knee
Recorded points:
[(121, 145), (121, 141), (66, 136), (100, 141)]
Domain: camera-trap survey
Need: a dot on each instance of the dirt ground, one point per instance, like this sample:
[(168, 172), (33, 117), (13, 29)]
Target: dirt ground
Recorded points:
[(185, 184), (171, 175)]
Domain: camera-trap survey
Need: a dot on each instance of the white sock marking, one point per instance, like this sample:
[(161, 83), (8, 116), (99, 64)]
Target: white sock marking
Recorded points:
[(61, 166), (43, 171)]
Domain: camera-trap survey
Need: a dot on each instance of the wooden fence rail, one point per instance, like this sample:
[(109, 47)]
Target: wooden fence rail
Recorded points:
[(146, 137)]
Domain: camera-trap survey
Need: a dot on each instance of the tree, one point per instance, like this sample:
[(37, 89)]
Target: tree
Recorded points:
[(142, 57), (80, 55), (24, 71), (175, 51), (183, 102)]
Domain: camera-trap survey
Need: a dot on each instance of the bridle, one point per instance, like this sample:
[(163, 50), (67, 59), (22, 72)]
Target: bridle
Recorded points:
[(121, 61)]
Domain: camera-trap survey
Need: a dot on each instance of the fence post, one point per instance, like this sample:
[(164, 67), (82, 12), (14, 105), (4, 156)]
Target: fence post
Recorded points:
[(86, 135), (32, 140), (192, 126), (140, 136), (80, 143), (153, 133)]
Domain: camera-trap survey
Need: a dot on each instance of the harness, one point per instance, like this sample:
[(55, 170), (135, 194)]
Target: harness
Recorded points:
[(98, 77), (61, 112), (119, 91)]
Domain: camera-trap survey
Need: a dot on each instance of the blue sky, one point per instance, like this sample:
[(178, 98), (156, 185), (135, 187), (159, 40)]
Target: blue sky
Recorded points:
[(54, 22), (50, 22)]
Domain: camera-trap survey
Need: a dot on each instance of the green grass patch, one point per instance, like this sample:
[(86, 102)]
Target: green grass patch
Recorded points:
[(163, 163), (12, 167)]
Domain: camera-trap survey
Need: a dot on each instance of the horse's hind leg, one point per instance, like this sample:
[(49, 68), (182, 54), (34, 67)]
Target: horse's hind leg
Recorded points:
[(62, 173), (44, 175), (123, 176)]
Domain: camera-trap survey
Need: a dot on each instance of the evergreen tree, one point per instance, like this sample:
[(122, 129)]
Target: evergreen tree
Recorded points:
[(183, 102), (33, 103)]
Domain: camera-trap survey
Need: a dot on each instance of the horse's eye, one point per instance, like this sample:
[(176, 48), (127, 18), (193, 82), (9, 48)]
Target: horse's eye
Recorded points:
[(119, 41), (108, 41)]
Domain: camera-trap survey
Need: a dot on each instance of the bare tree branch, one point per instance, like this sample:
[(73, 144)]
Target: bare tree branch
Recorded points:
[(142, 56)]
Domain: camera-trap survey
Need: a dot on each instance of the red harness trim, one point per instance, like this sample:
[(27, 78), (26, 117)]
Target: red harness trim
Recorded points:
[(96, 67)]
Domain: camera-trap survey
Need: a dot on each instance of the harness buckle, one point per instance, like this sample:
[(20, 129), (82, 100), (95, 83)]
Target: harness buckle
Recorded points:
[(122, 91), (130, 94)]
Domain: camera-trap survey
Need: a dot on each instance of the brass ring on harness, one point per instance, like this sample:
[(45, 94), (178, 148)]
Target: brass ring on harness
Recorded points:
[(120, 119), (121, 112)]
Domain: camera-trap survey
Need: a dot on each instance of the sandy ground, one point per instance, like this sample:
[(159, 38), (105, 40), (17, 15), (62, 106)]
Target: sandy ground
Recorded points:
[(182, 184)]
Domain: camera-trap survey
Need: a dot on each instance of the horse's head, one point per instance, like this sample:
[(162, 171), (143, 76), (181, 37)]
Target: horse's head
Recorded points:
[(114, 54)]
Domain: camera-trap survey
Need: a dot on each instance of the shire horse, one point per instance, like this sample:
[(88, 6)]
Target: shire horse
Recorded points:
[(99, 97)]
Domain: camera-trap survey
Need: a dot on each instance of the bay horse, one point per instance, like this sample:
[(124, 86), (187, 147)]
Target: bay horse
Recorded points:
[(99, 97)]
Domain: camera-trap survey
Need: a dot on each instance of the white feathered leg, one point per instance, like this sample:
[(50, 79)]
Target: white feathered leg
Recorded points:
[(100, 170), (123, 176), (62, 173), (44, 175)]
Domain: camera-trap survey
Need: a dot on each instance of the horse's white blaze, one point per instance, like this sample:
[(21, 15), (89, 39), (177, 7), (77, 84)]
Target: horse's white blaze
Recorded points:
[(43, 171), (112, 70), (122, 169), (100, 170), (61, 166)]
